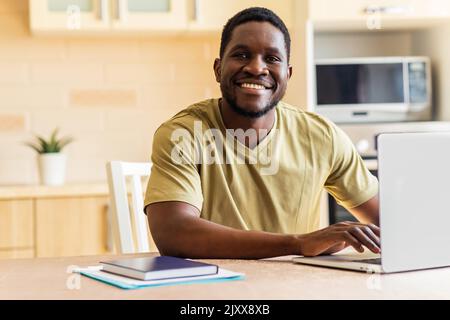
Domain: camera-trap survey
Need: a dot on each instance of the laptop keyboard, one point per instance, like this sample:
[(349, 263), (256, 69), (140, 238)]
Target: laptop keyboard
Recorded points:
[(371, 261)]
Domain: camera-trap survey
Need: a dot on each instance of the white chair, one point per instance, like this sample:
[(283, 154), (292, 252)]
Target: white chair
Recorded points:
[(121, 217)]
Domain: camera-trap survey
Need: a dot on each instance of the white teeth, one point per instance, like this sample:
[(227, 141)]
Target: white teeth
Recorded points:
[(252, 86)]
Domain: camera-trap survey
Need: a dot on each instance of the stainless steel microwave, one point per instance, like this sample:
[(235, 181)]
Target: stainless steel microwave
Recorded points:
[(383, 89)]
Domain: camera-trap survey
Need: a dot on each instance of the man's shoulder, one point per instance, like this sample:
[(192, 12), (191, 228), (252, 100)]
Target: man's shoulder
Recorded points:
[(186, 119), (304, 120)]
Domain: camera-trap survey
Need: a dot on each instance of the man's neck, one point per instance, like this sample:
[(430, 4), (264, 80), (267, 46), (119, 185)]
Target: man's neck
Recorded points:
[(261, 125)]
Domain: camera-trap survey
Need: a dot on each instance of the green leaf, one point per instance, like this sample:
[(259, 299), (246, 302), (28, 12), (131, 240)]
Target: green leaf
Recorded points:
[(33, 146), (64, 142), (52, 145), (43, 143), (53, 140)]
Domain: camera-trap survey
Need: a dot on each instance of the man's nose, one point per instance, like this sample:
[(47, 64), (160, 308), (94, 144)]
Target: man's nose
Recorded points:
[(256, 66)]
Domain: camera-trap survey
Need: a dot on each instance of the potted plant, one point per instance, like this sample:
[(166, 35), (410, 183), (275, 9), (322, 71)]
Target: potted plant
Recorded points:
[(51, 162)]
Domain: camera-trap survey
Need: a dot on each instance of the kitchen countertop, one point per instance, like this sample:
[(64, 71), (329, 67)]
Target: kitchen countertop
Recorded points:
[(40, 191)]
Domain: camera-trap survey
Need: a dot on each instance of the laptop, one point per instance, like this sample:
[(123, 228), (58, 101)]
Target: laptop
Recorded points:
[(414, 182)]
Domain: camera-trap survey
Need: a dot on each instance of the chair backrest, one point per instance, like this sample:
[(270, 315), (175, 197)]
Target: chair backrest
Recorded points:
[(121, 217)]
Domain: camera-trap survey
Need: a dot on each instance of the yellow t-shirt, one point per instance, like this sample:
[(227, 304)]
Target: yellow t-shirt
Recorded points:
[(274, 187)]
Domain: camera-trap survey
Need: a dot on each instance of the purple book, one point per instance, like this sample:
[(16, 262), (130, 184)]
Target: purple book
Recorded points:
[(158, 268)]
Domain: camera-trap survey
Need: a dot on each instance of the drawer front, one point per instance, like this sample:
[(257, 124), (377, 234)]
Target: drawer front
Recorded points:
[(16, 224), (71, 226)]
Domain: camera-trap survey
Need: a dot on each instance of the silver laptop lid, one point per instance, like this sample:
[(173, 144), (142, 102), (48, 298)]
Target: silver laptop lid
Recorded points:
[(414, 175)]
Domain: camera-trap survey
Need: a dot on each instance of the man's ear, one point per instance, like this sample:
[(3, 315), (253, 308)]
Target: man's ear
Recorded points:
[(289, 71), (217, 69)]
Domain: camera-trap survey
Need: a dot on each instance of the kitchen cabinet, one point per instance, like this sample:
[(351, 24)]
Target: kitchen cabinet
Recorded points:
[(42, 221), (71, 226), (106, 16), (16, 228), (69, 15), (73, 17), (155, 15), (211, 15), (377, 14)]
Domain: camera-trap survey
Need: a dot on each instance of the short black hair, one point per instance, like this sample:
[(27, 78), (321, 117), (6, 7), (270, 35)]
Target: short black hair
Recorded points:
[(254, 14)]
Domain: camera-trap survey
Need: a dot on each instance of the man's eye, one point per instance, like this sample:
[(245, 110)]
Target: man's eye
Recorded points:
[(272, 59), (241, 55)]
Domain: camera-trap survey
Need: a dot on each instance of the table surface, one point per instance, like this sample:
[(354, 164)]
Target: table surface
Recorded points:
[(276, 278)]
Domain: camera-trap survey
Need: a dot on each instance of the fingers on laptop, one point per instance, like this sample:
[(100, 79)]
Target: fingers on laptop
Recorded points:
[(366, 237), (358, 235), (351, 240), (375, 229)]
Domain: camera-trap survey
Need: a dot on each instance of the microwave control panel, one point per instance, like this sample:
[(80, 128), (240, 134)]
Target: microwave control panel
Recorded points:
[(417, 82)]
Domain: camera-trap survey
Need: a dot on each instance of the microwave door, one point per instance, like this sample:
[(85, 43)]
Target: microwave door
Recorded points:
[(360, 84)]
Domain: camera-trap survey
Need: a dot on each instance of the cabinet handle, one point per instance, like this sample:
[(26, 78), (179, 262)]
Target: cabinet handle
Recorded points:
[(387, 9), (196, 9), (103, 10), (120, 9)]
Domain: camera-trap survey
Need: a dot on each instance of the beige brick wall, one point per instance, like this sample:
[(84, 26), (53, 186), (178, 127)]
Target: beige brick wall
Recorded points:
[(110, 94)]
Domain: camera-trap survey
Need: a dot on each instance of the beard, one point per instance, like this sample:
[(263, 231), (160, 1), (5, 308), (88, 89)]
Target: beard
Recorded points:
[(249, 114)]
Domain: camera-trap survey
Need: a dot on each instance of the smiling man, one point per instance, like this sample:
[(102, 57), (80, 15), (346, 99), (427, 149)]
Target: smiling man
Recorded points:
[(242, 176)]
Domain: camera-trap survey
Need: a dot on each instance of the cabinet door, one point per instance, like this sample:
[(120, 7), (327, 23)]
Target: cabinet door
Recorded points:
[(69, 15), (16, 228), (211, 15), (154, 15), (71, 226), (393, 12)]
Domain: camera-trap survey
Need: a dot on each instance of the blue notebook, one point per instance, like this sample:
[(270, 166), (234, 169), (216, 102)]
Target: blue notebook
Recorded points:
[(122, 282), (158, 268)]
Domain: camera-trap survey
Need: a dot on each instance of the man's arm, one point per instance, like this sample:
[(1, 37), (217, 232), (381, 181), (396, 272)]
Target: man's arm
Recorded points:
[(368, 212), (178, 230)]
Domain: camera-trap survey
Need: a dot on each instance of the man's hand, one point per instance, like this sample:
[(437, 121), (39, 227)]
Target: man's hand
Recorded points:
[(339, 236)]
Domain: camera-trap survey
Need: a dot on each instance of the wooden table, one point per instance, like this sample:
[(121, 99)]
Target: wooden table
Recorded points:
[(277, 278)]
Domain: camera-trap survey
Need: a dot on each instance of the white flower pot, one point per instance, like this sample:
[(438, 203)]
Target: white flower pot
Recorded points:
[(52, 168)]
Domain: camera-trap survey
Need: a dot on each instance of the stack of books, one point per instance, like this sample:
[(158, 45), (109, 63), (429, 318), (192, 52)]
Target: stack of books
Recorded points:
[(157, 271)]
